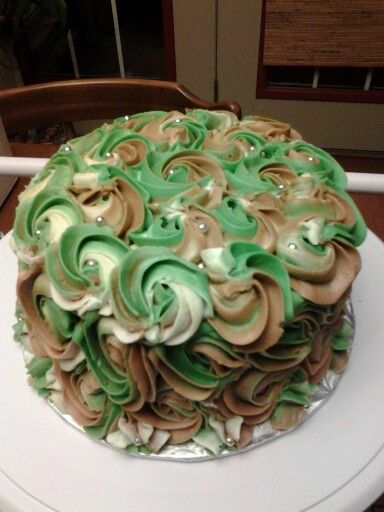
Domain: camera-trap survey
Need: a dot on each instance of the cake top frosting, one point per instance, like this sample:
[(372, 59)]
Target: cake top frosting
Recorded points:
[(190, 238)]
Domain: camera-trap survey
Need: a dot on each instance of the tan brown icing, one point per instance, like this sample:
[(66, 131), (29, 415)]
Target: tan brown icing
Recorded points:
[(158, 130), (200, 166), (253, 396), (30, 284), (174, 413), (195, 238), (346, 265), (271, 129), (234, 305), (119, 205), (74, 386), (176, 382), (131, 151)]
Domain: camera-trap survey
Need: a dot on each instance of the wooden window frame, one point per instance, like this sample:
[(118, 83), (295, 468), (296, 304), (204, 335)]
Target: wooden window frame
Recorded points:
[(263, 90)]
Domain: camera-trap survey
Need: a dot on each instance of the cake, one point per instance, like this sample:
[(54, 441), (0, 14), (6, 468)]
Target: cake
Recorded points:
[(185, 278)]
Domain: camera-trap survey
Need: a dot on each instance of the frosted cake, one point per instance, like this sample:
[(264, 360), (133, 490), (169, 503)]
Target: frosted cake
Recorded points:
[(184, 277)]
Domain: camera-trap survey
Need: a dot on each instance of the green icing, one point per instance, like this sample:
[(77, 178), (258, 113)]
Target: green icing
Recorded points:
[(84, 144), (162, 231), (146, 288), (298, 390), (244, 259), (118, 136), (118, 385), (60, 169), (327, 169), (234, 220), (194, 368), (45, 216), (140, 120), (141, 284), (37, 368), (212, 120), (343, 337), (353, 234), (68, 264), (110, 416), (61, 322)]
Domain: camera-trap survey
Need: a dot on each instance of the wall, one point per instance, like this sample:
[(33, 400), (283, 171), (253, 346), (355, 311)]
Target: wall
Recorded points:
[(8, 78), (357, 126), (194, 27)]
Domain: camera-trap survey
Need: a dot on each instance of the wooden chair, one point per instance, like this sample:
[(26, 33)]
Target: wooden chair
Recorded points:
[(34, 106)]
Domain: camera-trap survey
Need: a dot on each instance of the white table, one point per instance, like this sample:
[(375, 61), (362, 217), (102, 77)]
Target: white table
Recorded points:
[(333, 462)]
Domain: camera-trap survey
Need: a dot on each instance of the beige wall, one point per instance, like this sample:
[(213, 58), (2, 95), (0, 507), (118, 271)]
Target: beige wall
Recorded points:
[(328, 124), (8, 78), (194, 25)]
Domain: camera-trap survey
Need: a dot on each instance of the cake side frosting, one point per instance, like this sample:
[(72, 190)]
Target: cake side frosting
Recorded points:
[(185, 276)]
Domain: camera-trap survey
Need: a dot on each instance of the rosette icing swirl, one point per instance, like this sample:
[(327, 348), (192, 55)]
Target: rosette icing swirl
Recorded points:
[(159, 295), (80, 265), (245, 282), (184, 276)]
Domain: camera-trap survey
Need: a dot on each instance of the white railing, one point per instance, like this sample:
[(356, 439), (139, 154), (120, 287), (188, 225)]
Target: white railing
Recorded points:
[(23, 166)]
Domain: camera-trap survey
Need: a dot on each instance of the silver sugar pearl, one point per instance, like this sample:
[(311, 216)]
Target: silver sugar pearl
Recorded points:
[(177, 120), (281, 186), (137, 441), (19, 319), (202, 226), (126, 118), (90, 263), (108, 154), (67, 148), (292, 246), (38, 232), (310, 158), (171, 172), (201, 265), (229, 440), (99, 220), (252, 148)]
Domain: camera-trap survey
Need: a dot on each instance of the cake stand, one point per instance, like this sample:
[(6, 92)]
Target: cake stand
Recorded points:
[(332, 462)]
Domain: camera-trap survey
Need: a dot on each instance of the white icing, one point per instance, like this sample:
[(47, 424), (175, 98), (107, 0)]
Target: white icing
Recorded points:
[(158, 439), (128, 429), (70, 364), (118, 439), (32, 190), (187, 317), (208, 439), (58, 399), (105, 262), (110, 325), (59, 222), (233, 427), (145, 430), (217, 261), (86, 303), (52, 382), (314, 227), (86, 179), (218, 427), (106, 310)]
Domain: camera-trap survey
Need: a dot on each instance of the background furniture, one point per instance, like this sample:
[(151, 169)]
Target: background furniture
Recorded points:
[(34, 106)]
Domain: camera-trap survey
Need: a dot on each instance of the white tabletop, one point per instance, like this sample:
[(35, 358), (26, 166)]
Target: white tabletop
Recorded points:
[(332, 462)]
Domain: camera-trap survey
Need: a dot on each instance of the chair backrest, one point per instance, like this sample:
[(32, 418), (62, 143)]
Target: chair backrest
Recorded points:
[(34, 106)]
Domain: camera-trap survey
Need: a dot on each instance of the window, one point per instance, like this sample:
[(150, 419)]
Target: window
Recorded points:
[(103, 38), (318, 50)]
